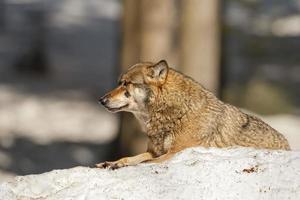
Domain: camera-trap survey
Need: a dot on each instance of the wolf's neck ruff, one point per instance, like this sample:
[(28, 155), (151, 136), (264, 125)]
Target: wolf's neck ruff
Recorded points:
[(172, 107)]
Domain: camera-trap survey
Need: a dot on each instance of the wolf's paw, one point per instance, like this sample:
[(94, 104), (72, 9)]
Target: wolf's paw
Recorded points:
[(110, 165)]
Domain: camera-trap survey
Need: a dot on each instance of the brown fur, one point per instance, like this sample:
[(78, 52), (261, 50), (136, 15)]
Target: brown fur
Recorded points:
[(177, 112)]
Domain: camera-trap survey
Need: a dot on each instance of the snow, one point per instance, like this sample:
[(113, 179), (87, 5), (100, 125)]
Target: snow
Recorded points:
[(196, 173), (49, 119)]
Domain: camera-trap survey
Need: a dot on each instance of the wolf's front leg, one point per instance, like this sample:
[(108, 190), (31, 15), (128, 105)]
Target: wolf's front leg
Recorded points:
[(161, 158), (127, 161)]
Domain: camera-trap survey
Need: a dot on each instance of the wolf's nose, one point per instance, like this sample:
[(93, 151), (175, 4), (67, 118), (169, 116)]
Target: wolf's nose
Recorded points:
[(103, 100)]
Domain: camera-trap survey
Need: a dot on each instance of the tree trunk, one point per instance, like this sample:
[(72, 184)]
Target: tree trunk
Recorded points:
[(130, 52), (157, 29), (2, 15), (200, 51)]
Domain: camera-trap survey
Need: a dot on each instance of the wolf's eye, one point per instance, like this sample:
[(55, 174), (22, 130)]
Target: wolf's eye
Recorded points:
[(127, 94)]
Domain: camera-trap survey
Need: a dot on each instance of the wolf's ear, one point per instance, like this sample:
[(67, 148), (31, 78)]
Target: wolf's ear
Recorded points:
[(158, 72)]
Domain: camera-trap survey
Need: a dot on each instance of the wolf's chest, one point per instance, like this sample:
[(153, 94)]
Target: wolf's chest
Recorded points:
[(160, 144)]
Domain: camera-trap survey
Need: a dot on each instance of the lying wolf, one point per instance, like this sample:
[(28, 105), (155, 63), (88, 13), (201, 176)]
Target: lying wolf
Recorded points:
[(177, 112)]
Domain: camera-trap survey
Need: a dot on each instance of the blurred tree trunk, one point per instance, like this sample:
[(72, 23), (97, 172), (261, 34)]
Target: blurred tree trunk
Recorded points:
[(200, 51), (148, 31), (2, 14), (130, 52), (157, 29), (34, 61), (147, 36)]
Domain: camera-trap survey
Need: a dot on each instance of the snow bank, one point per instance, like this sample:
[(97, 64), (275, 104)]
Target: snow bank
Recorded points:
[(196, 173)]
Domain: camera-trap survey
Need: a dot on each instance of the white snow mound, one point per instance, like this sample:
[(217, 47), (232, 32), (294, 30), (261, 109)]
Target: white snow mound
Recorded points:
[(196, 173)]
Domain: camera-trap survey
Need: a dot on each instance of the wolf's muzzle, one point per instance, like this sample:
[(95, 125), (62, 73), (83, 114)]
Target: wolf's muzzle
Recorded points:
[(103, 100)]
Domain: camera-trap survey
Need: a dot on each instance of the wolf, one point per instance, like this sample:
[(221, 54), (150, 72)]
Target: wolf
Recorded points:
[(176, 112)]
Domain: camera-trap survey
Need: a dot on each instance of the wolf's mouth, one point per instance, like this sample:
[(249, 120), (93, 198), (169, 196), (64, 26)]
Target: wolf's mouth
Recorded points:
[(117, 109)]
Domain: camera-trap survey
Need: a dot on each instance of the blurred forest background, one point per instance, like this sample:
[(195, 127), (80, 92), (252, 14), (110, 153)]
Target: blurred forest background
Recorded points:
[(57, 57)]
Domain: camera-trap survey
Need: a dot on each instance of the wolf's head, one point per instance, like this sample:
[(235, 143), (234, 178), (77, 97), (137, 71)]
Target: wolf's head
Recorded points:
[(136, 87)]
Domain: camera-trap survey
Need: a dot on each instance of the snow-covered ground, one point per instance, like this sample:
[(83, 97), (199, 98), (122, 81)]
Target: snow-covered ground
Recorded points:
[(47, 119), (196, 173)]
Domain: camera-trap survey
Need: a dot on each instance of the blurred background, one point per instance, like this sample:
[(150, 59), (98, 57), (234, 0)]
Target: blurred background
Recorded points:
[(57, 57)]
